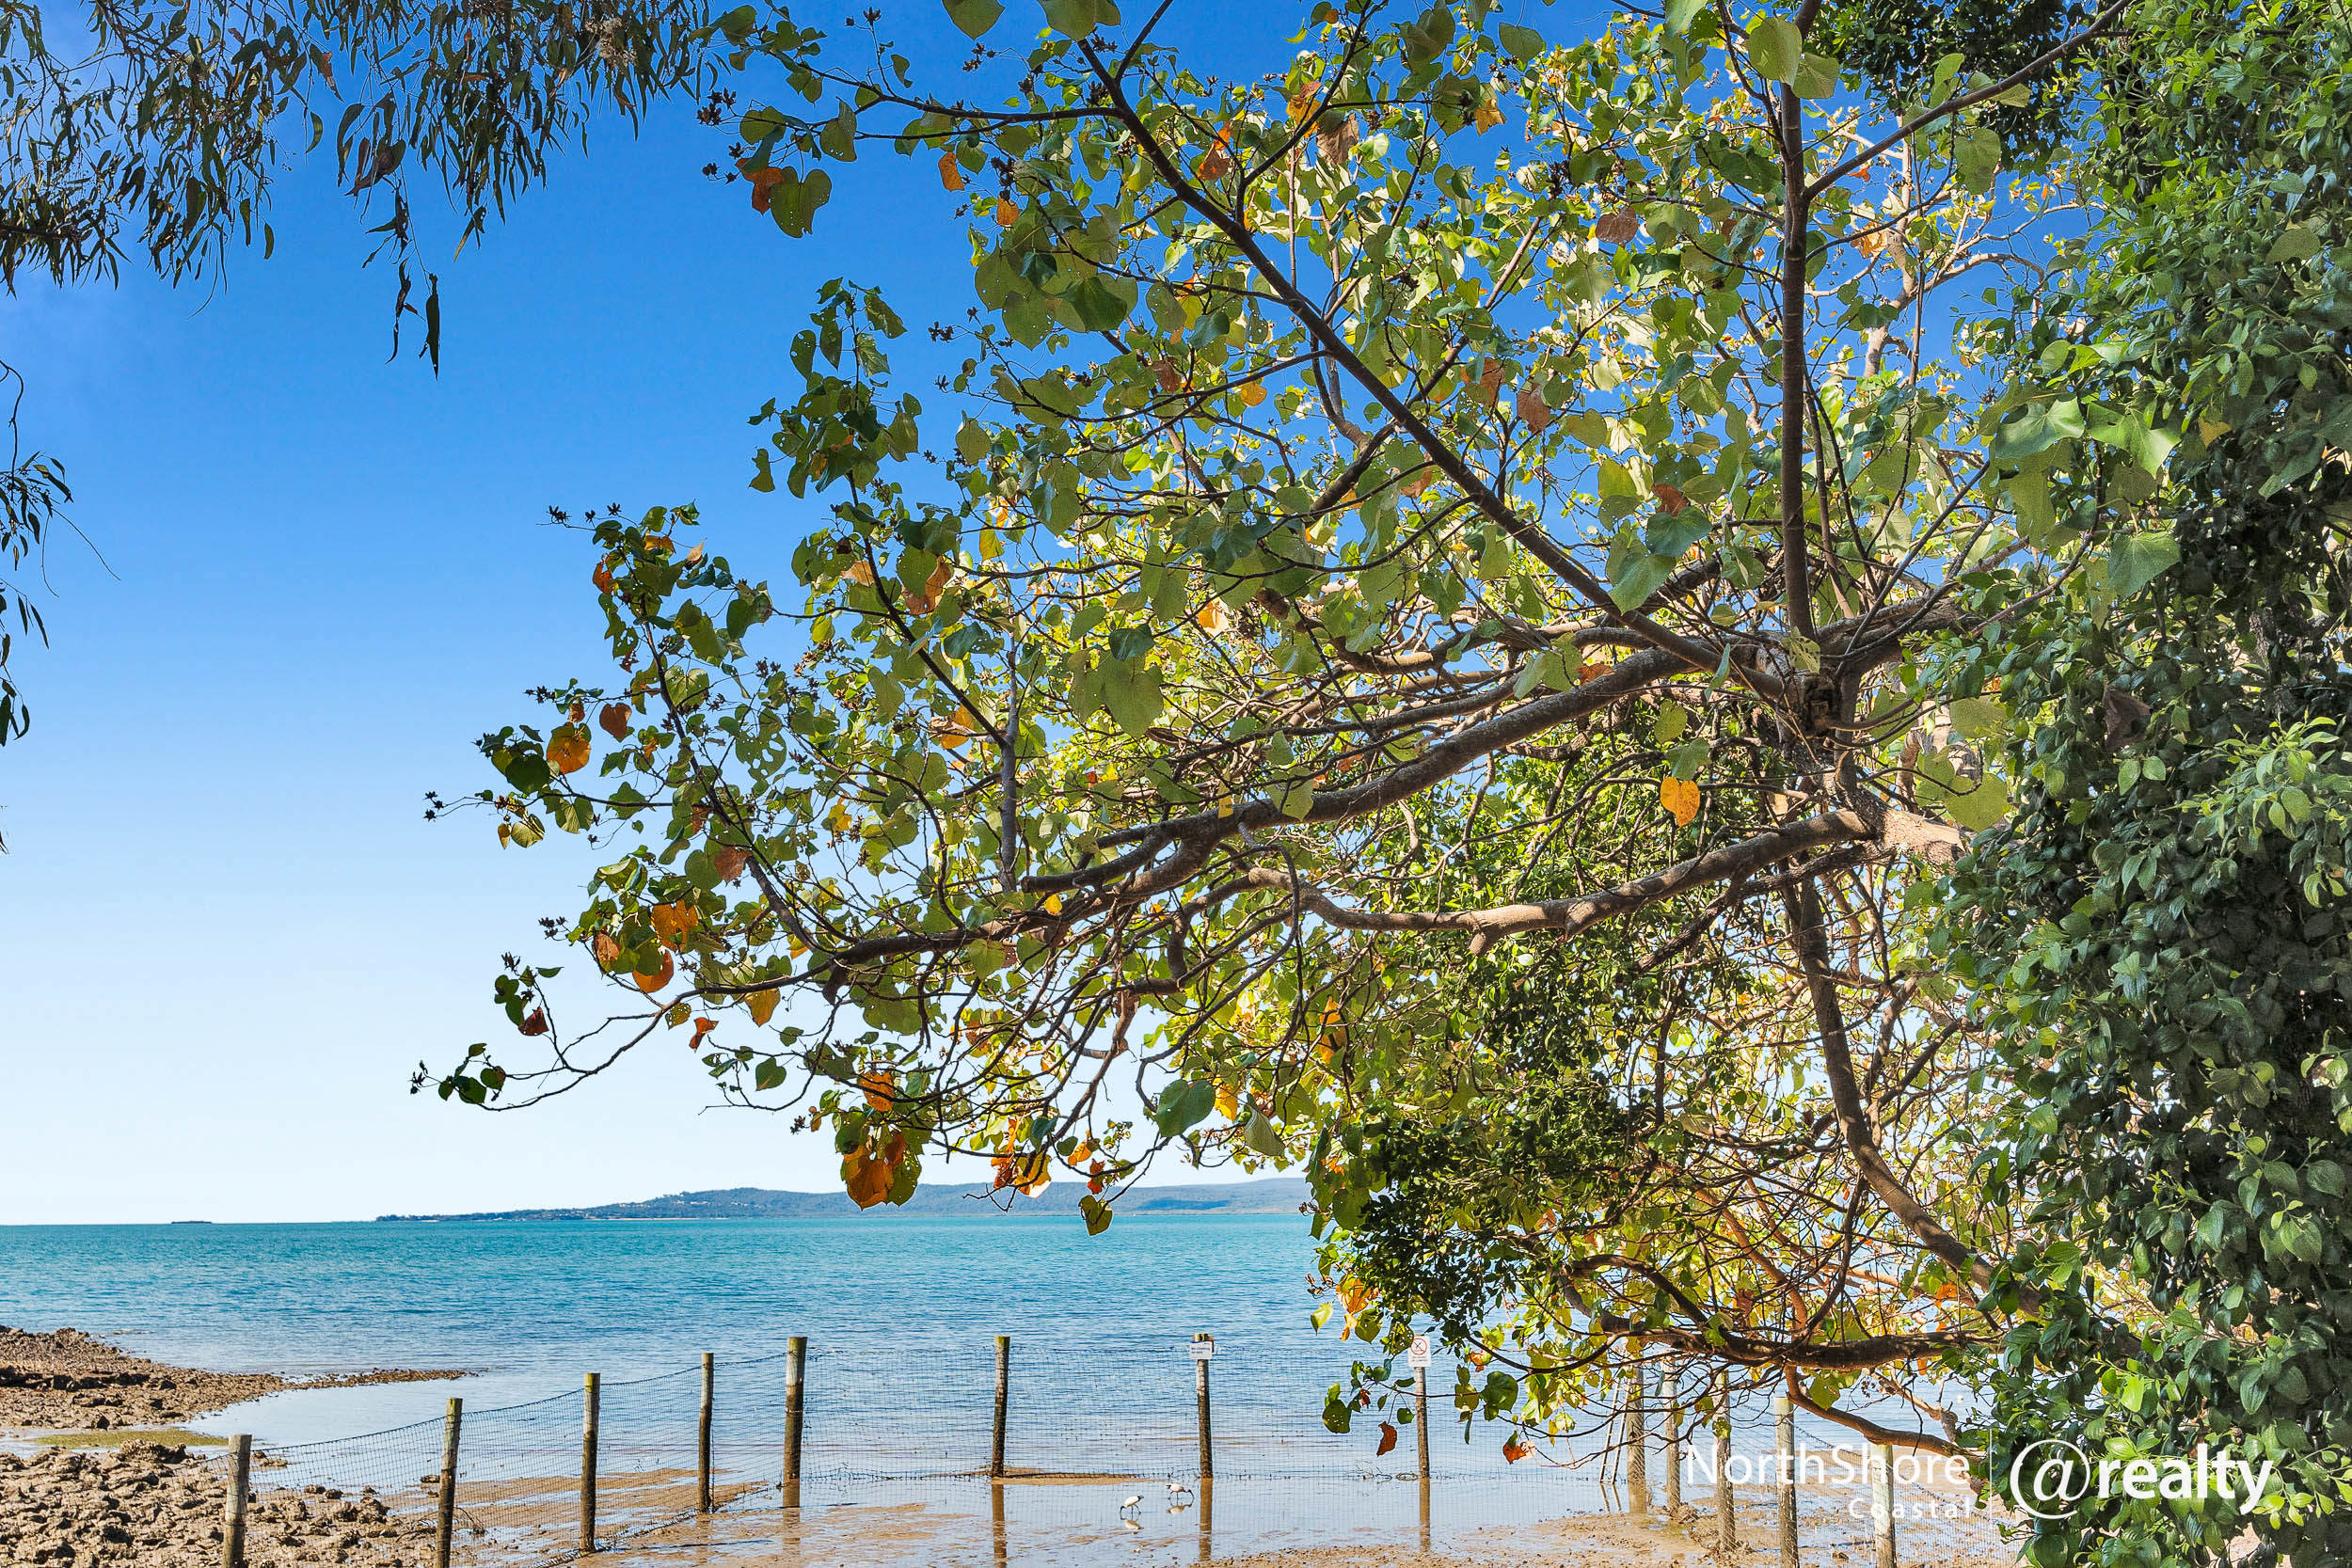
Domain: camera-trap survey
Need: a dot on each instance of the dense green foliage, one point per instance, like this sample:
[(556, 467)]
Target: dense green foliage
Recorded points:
[(2162, 937)]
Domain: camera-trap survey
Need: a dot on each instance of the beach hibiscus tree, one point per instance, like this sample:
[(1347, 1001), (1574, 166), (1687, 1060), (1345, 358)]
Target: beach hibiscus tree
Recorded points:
[(1413, 643)]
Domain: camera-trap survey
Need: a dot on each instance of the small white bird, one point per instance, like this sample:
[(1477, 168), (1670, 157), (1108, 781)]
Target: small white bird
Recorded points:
[(1130, 1503), (1177, 1489)]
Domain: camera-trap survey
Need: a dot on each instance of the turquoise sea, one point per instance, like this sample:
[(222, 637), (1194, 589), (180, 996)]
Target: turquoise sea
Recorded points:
[(900, 1313), (531, 1306)]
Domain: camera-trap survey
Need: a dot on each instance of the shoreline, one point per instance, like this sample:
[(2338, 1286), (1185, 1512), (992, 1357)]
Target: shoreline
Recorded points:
[(67, 1381)]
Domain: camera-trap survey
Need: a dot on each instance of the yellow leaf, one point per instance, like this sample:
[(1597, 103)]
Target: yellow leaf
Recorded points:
[(1052, 903), (1488, 114), (838, 819), (1227, 1102), (763, 1005), (1252, 394), (568, 749), (1680, 796)]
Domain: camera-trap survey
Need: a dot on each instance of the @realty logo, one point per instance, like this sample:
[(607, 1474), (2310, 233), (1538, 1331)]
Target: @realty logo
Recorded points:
[(2050, 1477)]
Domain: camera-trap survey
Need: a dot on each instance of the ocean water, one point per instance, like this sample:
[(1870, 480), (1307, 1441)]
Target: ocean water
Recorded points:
[(901, 1315), (528, 1306)]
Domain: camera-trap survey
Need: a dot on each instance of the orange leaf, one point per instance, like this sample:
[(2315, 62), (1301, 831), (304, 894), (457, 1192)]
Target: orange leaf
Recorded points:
[(1617, 228), (762, 1005), (868, 1177), (730, 861), (1388, 1438), (602, 577), (1532, 411), (653, 980), (613, 718), (604, 949), (1680, 796), (880, 1090), (949, 174), (536, 1024), (1670, 497), (1514, 1451), (568, 749), (672, 920), (1007, 213)]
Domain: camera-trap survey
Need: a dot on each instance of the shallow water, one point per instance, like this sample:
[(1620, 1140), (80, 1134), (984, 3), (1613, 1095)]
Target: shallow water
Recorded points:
[(901, 1314)]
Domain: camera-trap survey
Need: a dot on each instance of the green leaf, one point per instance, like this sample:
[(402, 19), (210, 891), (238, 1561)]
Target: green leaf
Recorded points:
[(2296, 244), (1671, 718), (1524, 43), (1299, 801), (2038, 429), (1185, 1104), (1979, 718), (1977, 156), (1634, 574), (1132, 695), (1100, 305), (1258, 1133), (975, 16), (2137, 560), (1097, 1212), (1974, 805), (1775, 48), (1686, 760), (1817, 76), (1680, 14), (1077, 18)]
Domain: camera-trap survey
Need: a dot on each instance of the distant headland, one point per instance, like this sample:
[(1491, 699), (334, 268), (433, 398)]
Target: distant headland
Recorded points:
[(1282, 1195)]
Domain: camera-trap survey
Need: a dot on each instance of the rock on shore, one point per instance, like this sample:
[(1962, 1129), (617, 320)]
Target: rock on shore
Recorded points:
[(148, 1505), (67, 1381)]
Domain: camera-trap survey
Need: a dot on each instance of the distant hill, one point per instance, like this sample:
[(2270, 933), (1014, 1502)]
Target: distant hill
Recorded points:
[(1280, 1195)]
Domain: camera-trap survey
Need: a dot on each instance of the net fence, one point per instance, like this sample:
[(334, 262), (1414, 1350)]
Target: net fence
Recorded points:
[(916, 1417)]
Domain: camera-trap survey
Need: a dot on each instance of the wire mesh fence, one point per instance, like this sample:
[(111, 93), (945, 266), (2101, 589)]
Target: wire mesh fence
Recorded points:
[(545, 1481)]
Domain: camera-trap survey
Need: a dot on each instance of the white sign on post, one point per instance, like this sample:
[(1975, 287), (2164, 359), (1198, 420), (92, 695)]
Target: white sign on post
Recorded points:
[(1203, 1348), (1418, 1357)]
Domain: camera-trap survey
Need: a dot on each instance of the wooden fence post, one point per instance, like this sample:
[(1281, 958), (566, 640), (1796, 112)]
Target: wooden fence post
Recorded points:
[(1726, 1500), (1883, 1502), (445, 1525), (1420, 1420), (795, 1394), (1204, 1346), (1785, 1483), (1004, 1390), (1673, 1453), (702, 1438), (1637, 1447), (233, 1521), (588, 1467)]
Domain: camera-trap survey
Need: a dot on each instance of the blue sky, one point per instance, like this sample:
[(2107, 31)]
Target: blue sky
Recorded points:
[(229, 932), (230, 935)]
